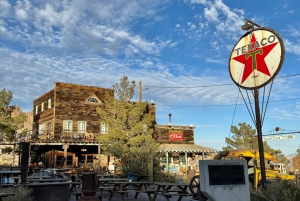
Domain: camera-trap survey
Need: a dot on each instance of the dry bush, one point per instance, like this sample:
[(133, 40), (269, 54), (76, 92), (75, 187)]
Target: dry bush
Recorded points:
[(278, 190), (21, 194)]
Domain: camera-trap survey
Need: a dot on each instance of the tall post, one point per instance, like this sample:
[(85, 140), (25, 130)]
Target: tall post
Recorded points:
[(24, 161), (260, 141), (65, 155), (140, 91), (99, 155)]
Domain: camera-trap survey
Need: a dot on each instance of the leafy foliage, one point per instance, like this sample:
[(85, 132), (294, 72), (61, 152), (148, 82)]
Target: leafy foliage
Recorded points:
[(130, 128), (8, 124), (245, 137)]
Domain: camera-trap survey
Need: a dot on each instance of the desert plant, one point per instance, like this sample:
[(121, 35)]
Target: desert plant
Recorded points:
[(278, 190), (20, 193)]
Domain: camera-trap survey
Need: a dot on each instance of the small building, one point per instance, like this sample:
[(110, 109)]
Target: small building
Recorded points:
[(177, 143)]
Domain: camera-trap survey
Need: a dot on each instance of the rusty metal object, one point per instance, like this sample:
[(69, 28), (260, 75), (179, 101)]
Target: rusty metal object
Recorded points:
[(89, 186)]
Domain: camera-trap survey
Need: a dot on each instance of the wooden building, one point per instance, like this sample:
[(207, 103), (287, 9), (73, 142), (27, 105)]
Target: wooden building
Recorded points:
[(65, 119), (177, 143), (66, 125)]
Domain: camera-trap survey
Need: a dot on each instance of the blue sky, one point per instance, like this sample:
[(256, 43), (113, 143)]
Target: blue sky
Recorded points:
[(179, 49)]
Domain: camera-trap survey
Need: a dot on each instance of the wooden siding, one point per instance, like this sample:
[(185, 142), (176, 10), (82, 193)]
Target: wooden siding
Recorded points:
[(161, 134)]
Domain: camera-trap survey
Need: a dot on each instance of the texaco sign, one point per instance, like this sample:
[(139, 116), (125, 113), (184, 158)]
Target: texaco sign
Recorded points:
[(256, 58)]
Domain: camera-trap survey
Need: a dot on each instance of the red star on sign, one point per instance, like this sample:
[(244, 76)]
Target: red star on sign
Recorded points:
[(255, 59)]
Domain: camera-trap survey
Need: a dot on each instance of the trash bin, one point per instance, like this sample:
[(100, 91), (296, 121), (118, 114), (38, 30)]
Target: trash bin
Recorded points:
[(132, 177)]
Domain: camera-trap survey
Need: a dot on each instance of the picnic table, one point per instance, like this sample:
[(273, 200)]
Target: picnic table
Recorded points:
[(169, 190), (124, 187), (104, 184), (46, 180), (103, 176), (17, 178)]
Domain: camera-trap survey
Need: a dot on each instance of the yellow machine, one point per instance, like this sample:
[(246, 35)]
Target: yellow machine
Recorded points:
[(254, 171)]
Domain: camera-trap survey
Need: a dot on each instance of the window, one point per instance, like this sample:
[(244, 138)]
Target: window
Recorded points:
[(93, 100), (42, 107), (164, 159), (42, 128), (36, 109), (49, 103), (182, 158), (49, 127), (81, 126), (67, 127), (104, 128)]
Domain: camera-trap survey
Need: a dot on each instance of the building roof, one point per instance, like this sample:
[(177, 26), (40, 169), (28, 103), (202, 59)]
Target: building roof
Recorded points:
[(189, 148)]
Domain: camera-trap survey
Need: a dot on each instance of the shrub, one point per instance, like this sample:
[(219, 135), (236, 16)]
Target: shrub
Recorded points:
[(278, 190), (21, 193)]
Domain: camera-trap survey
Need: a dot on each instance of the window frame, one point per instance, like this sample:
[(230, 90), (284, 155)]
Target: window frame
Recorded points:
[(103, 128), (80, 125), (66, 125), (49, 103), (42, 128)]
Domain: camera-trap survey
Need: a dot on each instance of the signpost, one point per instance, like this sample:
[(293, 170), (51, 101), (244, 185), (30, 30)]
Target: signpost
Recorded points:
[(254, 62)]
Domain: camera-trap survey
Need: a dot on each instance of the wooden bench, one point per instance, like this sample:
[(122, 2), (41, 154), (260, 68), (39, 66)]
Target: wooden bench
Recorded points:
[(171, 194)]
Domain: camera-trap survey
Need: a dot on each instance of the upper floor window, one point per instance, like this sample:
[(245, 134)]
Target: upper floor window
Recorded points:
[(42, 107), (49, 127), (49, 103), (81, 126), (42, 128), (104, 128), (93, 100), (36, 109), (67, 127)]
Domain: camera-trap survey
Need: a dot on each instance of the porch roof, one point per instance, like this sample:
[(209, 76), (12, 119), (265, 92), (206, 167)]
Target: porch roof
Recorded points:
[(189, 148)]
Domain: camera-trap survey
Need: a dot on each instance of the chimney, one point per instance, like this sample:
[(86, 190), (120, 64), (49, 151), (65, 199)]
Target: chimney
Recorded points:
[(170, 121)]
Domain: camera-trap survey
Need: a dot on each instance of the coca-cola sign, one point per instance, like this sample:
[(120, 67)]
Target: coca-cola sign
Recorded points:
[(175, 135)]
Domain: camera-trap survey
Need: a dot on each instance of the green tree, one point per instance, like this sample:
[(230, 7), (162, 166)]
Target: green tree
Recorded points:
[(9, 125), (130, 128), (245, 137)]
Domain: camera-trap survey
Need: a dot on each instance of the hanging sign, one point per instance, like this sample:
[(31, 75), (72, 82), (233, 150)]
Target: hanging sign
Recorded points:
[(281, 137), (256, 58), (176, 135)]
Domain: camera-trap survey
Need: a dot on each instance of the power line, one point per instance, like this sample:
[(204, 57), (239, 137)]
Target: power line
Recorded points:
[(224, 105), (214, 85)]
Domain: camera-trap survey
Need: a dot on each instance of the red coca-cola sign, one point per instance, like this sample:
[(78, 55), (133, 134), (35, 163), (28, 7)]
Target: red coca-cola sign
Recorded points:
[(176, 135)]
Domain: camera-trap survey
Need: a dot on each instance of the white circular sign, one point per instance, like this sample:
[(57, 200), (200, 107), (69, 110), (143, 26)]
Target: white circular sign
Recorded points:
[(256, 58)]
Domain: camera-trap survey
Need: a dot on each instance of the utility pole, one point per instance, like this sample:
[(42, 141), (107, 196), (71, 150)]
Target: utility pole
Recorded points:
[(140, 91)]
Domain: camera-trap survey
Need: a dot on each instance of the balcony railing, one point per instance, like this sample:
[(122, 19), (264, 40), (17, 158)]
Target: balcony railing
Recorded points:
[(66, 135)]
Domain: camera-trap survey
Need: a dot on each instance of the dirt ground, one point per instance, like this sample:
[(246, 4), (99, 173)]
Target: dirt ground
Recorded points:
[(141, 197)]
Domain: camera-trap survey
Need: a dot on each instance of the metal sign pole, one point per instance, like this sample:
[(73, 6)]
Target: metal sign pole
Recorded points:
[(260, 141)]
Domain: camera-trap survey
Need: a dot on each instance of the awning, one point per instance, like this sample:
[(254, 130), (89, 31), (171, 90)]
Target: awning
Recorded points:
[(189, 148)]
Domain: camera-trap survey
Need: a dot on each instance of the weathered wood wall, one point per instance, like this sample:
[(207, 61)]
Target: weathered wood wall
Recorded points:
[(161, 134)]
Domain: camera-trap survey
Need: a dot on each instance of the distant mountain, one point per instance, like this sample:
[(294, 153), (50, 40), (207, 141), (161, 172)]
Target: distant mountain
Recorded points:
[(293, 155), (290, 158)]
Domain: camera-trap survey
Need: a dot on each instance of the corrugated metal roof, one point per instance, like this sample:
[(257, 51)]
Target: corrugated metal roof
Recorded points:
[(189, 148)]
